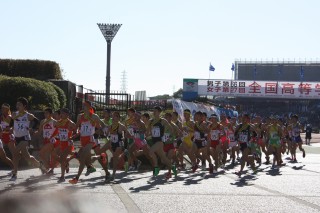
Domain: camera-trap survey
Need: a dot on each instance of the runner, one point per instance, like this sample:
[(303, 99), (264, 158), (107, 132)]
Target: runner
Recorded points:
[(6, 137), (21, 130), (117, 132), (227, 127), (200, 142), (170, 141), (132, 161), (187, 144), (296, 128), (86, 123), (214, 148), (233, 145), (140, 145), (46, 129), (243, 133), (274, 133), (156, 130), (64, 129), (179, 154)]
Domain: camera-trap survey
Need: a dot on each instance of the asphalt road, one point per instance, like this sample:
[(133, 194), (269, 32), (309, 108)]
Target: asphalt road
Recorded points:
[(293, 188)]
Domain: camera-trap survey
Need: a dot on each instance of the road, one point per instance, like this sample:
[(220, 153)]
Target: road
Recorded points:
[(293, 188)]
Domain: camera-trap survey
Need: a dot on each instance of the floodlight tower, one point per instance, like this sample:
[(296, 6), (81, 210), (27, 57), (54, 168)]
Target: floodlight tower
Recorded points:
[(108, 31)]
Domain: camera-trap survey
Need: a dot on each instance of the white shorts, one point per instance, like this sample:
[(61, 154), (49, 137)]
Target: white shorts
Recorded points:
[(233, 144)]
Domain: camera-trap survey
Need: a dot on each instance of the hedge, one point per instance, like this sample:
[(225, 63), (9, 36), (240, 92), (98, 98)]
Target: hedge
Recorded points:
[(61, 95), (40, 94), (37, 69)]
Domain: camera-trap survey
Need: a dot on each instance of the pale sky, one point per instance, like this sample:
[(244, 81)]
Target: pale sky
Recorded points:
[(160, 42)]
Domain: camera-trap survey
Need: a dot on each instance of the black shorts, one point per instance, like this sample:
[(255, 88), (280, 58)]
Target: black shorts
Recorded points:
[(200, 144), (20, 139), (114, 146), (243, 146)]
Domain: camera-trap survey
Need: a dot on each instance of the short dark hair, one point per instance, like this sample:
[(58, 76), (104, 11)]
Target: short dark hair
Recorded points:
[(58, 111), (107, 110), (158, 108), (187, 110), (48, 110), (132, 110), (147, 115), (23, 100), (6, 105), (65, 110)]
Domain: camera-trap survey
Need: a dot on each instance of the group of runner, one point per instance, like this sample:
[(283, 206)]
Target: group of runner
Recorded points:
[(164, 136)]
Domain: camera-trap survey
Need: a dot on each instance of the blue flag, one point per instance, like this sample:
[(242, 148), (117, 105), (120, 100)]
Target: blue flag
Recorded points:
[(232, 67), (211, 68), (301, 73)]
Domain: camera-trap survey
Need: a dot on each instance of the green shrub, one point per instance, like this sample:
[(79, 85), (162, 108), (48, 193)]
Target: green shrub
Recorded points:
[(37, 69), (40, 94), (61, 95)]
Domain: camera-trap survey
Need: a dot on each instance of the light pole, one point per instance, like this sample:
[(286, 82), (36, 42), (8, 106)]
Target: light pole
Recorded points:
[(109, 31)]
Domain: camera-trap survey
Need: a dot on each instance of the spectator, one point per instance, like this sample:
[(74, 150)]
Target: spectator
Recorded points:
[(308, 134)]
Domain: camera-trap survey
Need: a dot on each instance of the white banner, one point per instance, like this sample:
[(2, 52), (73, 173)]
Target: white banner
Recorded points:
[(179, 106), (274, 89)]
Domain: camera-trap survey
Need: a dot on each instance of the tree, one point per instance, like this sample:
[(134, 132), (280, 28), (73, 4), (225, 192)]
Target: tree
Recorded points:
[(178, 94)]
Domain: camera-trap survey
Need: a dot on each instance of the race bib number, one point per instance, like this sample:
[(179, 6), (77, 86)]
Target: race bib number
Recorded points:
[(105, 131), (114, 138), (274, 135), (165, 137), (86, 129), (231, 137), (204, 143), (131, 130), (243, 138), (53, 140), (156, 132), (197, 135), (63, 135), (46, 134), (70, 143), (21, 128), (214, 135)]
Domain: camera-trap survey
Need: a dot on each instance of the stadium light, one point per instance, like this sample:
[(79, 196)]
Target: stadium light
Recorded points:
[(108, 31)]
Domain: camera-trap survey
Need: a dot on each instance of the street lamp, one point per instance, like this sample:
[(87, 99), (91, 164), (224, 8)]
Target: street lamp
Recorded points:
[(109, 31)]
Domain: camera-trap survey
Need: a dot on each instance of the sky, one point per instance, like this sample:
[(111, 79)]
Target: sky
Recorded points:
[(159, 42)]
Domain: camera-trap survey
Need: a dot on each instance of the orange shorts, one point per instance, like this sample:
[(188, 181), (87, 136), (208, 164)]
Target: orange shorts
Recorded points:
[(214, 144), (64, 145), (168, 147), (85, 140), (6, 137), (224, 139)]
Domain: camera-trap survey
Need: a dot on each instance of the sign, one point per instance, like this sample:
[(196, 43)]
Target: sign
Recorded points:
[(261, 89)]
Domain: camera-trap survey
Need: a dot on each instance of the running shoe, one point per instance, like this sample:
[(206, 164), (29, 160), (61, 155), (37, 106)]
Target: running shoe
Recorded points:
[(138, 164), (61, 180), (194, 168), (168, 175), (73, 181), (238, 173), (42, 168), (90, 170), (203, 166), (211, 169), (13, 177), (50, 172)]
